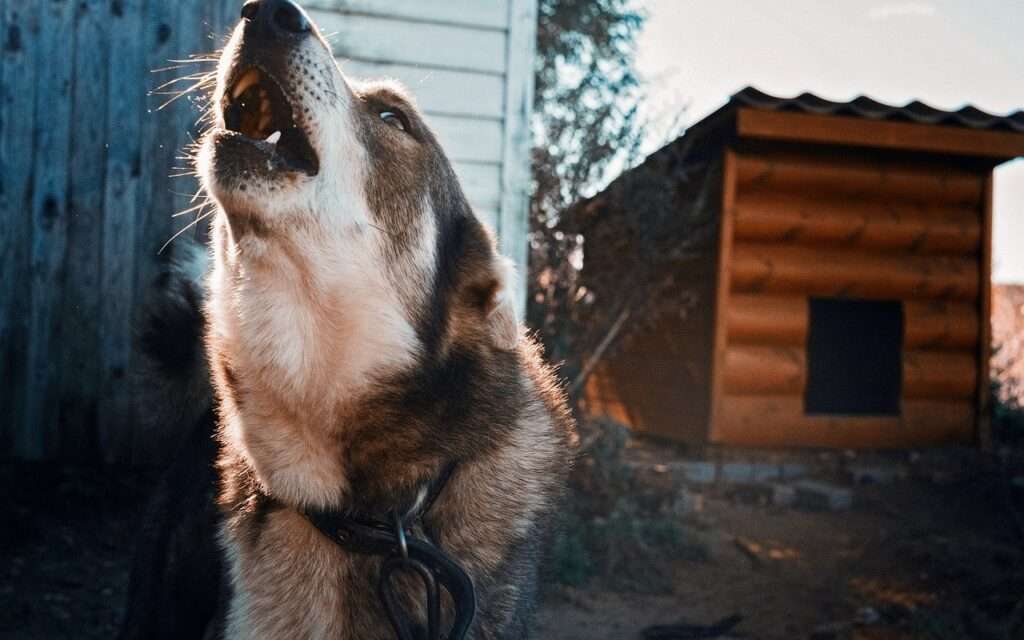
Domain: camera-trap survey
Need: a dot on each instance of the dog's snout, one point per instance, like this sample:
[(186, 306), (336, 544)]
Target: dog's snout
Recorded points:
[(278, 17)]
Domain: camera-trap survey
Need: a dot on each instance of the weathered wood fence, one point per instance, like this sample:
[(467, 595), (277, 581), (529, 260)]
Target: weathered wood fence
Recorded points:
[(86, 201)]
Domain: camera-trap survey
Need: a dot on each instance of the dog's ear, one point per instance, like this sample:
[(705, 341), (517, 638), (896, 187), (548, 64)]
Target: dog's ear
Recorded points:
[(499, 306)]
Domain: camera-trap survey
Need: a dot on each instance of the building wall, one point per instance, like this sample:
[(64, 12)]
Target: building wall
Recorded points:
[(830, 224), (90, 173), (470, 65)]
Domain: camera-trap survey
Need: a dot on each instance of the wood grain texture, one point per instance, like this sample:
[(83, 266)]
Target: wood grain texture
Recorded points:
[(845, 175), (864, 132), (18, 57), (778, 268), (815, 219), (374, 38), (767, 319), (782, 320), (121, 222), (49, 224), (940, 324), (481, 183), (940, 374), (780, 421), (492, 14), (440, 91), (765, 370), (723, 283), (469, 139), (80, 370)]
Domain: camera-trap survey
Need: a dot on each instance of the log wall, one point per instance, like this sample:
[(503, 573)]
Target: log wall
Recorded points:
[(798, 226)]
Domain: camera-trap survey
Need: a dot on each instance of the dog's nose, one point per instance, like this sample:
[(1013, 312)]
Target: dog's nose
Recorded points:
[(280, 16)]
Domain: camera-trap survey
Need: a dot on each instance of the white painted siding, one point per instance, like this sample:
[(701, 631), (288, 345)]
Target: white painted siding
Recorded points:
[(470, 65)]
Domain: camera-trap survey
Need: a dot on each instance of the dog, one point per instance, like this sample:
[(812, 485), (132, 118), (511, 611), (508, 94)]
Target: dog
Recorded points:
[(366, 359)]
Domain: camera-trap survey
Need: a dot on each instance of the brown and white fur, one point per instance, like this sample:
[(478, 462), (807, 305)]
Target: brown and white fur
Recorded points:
[(361, 334)]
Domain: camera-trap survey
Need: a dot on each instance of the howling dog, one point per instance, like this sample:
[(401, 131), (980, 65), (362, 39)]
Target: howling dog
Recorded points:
[(389, 447)]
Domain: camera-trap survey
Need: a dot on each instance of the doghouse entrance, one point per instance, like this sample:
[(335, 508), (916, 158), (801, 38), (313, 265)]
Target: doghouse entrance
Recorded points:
[(853, 357)]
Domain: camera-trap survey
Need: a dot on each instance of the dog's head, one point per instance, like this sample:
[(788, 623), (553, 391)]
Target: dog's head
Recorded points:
[(317, 174)]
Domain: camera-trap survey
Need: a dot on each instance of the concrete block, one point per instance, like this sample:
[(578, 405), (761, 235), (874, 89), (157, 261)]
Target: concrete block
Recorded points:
[(783, 495), (736, 472), (878, 474), (695, 472), (766, 471), (793, 470), (814, 494), (687, 503)]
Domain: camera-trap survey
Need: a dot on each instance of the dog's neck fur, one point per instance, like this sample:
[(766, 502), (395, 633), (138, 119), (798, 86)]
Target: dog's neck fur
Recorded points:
[(300, 345)]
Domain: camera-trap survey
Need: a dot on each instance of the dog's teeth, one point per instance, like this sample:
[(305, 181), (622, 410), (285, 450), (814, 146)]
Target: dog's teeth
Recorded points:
[(250, 78), (274, 137)]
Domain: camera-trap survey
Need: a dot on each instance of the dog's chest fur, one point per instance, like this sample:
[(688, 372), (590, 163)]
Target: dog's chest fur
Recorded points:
[(289, 581), (299, 425)]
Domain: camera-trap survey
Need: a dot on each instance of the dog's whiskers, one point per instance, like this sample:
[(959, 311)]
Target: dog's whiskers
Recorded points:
[(199, 218), (191, 209), (201, 77)]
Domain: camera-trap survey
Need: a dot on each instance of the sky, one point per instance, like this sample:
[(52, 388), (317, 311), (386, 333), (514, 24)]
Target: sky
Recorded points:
[(696, 53)]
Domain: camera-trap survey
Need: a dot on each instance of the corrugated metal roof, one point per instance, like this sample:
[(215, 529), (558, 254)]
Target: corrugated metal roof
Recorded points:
[(864, 107)]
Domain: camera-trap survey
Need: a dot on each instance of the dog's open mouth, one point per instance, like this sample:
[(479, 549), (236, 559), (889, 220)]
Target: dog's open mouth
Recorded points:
[(256, 107)]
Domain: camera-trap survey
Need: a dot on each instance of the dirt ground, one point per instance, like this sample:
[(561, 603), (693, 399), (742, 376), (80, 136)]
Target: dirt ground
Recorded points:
[(912, 559)]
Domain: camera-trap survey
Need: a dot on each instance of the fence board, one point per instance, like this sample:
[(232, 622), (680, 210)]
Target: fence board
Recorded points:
[(80, 371), (160, 135), (14, 93), (120, 223), (49, 223)]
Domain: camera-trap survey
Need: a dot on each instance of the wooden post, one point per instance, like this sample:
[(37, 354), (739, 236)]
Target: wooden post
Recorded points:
[(514, 222), (984, 413), (724, 276)]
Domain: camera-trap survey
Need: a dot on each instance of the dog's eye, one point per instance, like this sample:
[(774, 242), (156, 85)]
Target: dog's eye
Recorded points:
[(394, 118)]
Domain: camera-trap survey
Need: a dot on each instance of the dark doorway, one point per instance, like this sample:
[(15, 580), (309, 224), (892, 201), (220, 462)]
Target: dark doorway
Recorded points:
[(854, 364)]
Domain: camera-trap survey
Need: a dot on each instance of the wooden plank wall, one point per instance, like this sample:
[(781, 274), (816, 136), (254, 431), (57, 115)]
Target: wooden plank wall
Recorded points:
[(470, 66), (801, 226), (86, 201)]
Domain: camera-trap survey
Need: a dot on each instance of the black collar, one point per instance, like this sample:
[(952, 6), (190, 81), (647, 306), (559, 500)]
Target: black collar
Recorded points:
[(395, 538), (376, 534)]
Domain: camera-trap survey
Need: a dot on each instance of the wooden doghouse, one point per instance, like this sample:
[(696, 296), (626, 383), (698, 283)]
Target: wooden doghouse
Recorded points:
[(844, 294)]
